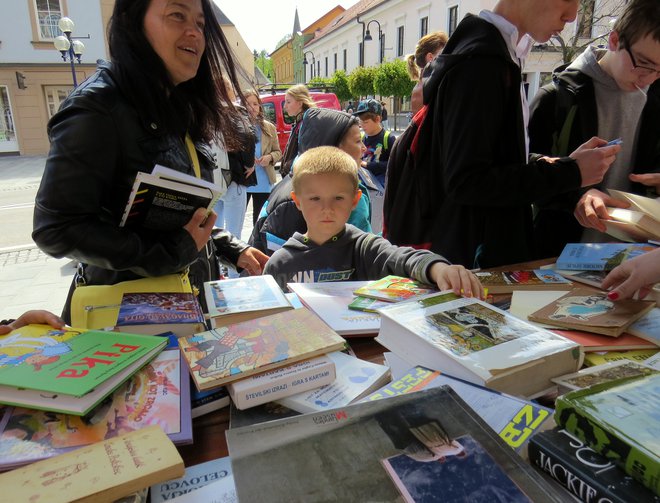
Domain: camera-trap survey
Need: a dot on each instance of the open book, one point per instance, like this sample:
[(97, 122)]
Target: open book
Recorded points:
[(639, 222)]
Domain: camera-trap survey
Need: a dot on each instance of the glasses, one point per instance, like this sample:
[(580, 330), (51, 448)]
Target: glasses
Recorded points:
[(643, 71)]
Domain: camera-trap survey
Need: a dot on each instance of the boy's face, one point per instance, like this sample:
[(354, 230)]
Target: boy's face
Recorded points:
[(352, 143), (542, 19), (370, 126), (326, 201), (634, 65)]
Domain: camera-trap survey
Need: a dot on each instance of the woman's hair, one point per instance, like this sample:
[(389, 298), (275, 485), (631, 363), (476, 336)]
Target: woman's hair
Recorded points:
[(201, 106), (260, 116), (432, 43), (300, 93)]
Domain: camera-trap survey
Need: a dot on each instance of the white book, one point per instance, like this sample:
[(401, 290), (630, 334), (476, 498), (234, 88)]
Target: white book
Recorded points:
[(196, 476), (472, 340), (355, 379), (330, 300), (285, 381), (647, 327), (222, 491)]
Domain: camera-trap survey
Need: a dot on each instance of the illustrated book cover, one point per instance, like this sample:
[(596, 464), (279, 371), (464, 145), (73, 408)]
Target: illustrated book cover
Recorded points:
[(591, 311), (394, 289), (515, 420), (472, 340), (639, 356), (282, 382), (535, 279), (330, 301), (79, 368), (196, 476), (355, 379), (587, 475), (599, 256), (610, 371), (155, 313), (237, 351), (595, 279), (157, 394), (235, 300), (348, 444), (618, 419), (103, 471)]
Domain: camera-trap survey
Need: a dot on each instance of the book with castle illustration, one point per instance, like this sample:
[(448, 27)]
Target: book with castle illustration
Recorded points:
[(103, 471), (79, 368), (229, 353), (591, 311), (341, 453), (157, 394)]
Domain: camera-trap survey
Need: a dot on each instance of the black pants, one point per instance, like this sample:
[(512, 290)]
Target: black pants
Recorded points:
[(258, 200)]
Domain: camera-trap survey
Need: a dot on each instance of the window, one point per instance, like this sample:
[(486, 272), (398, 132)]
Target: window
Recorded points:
[(326, 66), (423, 26), (399, 41), (49, 13), (335, 62), (269, 112), (585, 18), (452, 19), (345, 58), (8, 142), (55, 95), (318, 68)]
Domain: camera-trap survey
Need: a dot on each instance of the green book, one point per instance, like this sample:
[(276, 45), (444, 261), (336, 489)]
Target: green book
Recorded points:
[(618, 419), (367, 305)]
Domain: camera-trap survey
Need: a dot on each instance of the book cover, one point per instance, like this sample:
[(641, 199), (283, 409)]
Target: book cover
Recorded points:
[(610, 371), (196, 476), (599, 256), (348, 444), (204, 402), (103, 471), (648, 326), (157, 394), (586, 474), (592, 359), (472, 340), (618, 419), (535, 279), (631, 226), (394, 289), (259, 414), (236, 351), (591, 342), (330, 300), (154, 313), (355, 379), (366, 304), (421, 479), (515, 420), (591, 311), (240, 299), (68, 361), (220, 491), (280, 383), (591, 278), (162, 204)]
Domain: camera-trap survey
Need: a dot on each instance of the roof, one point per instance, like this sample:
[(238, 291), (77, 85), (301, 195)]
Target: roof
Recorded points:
[(349, 15), (220, 16)]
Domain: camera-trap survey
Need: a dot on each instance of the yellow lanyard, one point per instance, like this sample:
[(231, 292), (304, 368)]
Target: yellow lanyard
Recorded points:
[(193, 156)]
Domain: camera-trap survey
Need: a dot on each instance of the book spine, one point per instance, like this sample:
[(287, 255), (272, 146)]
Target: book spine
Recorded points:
[(580, 266), (282, 382), (206, 403)]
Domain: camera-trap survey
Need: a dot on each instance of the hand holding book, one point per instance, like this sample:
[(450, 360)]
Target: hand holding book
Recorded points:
[(637, 274)]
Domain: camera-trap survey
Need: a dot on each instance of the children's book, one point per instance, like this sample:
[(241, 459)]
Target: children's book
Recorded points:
[(166, 199), (240, 299), (204, 402), (282, 382), (587, 475), (243, 349), (157, 394), (330, 301), (509, 281), (394, 289), (366, 304), (591, 311), (472, 340), (155, 313), (599, 256), (103, 471), (196, 477), (593, 359), (68, 370), (348, 444), (597, 374), (618, 419), (515, 420), (355, 379)]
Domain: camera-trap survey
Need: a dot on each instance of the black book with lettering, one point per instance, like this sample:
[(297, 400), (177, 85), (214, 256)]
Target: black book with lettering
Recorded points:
[(587, 475)]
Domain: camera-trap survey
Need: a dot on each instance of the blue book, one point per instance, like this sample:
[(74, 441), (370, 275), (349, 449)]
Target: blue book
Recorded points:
[(599, 256)]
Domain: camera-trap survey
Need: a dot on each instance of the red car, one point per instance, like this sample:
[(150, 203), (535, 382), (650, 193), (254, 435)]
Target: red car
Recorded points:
[(273, 106)]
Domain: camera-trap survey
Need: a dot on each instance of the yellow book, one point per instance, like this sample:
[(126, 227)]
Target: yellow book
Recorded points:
[(592, 359), (104, 471)]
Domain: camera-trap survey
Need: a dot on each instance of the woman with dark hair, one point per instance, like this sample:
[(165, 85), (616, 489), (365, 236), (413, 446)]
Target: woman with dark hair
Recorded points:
[(159, 101)]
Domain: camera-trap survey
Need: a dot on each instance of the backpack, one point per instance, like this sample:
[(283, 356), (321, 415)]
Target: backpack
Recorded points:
[(385, 138)]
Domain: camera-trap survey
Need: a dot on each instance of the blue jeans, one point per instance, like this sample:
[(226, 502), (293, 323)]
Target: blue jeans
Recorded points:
[(231, 209)]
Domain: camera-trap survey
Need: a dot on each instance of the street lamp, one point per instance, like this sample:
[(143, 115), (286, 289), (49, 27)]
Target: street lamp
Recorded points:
[(68, 46), (305, 62), (367, 38)]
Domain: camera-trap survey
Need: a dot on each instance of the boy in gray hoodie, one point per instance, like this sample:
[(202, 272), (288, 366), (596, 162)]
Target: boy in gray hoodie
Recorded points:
[(325, 190)]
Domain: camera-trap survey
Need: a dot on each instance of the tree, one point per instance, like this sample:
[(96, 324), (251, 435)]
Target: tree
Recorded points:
[(592, 28), (324, 82), (342, 89), (361, 81), (264, 63), (392, 79)]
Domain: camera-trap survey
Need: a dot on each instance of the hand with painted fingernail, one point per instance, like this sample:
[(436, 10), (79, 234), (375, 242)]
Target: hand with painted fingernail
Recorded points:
[(635, 275)]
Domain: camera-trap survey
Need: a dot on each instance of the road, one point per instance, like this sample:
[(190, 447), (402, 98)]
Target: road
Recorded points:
[(17, 193)]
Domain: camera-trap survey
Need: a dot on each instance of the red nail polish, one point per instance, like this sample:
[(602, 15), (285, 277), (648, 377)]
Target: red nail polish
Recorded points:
[(613, 295)]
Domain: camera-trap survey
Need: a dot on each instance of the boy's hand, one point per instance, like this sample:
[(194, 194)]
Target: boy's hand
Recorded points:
[(591, 209), (33, 317), (252, 260), (456, 278), (594, 158)]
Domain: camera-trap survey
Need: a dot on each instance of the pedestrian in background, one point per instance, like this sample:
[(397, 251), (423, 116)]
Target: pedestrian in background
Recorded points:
[(384, 122), (296, 101), (428, 47)]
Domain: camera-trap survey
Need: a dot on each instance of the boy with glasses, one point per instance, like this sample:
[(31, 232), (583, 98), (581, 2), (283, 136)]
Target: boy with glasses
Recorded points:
[(611, 93)]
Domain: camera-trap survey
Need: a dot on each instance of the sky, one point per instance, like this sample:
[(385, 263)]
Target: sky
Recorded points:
[(263, 23)]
